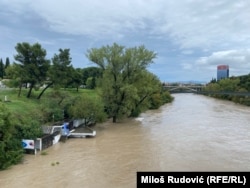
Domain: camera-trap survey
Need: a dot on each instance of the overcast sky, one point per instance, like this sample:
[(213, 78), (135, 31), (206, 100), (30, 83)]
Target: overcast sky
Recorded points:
[(190, 37)]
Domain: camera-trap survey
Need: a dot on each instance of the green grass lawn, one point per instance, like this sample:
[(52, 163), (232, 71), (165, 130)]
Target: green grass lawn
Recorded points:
[(25, 106), (18, 105)]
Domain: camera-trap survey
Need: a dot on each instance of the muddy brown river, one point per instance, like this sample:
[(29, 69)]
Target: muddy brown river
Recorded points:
[(194, 133)]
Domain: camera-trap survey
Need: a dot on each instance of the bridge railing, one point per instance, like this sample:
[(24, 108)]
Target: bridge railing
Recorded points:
[(224, 93), (198, 89), (183, 88)]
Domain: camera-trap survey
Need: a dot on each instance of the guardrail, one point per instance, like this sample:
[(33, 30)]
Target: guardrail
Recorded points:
[(223, 93)]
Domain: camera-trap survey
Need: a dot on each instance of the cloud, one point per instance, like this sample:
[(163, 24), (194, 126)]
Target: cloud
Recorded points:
[(92, 17), (238, 61), (190, 36), (208, 24), (189, 23)]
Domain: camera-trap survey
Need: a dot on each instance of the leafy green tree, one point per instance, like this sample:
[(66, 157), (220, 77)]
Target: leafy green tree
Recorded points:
[(90, 83), (13, 72), (229, 84), (54, 108), (11, 151), (1, 69), (62, 67), (76, 78), (245, 82), (33, 64), (28, 127), (166, 97), (88, 108), (122, 68), (91, 72), (151, 85), (60, 70), (155, 101)]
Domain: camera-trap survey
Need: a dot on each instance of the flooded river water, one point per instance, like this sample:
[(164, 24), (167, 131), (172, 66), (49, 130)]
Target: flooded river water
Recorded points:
[(194, 133)]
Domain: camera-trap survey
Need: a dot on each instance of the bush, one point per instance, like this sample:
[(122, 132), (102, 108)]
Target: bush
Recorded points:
[(155, 101), (11, 151), (166, 97), (159, 99), (88, 108)]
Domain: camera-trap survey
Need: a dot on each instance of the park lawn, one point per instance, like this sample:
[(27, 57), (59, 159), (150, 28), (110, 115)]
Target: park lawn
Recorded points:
[(18, 105), (26, 106)]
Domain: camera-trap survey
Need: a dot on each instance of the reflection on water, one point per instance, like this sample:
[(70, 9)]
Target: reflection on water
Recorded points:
[(194, 133)]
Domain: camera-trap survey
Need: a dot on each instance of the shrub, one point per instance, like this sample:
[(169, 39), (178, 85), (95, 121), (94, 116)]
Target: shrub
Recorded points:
[(11, 151)]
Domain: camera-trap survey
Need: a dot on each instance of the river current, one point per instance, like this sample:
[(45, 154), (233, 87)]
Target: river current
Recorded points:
[(194, 133)]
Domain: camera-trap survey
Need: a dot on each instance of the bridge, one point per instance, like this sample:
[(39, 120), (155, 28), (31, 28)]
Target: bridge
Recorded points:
[(181, 88), (198, 89)]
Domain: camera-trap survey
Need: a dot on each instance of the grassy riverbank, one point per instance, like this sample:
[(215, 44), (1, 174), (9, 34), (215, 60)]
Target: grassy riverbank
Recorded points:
[(26, 107), (55, 102)]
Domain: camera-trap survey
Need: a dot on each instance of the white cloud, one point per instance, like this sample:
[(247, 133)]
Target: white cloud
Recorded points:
[(207, 24), (238, 61)]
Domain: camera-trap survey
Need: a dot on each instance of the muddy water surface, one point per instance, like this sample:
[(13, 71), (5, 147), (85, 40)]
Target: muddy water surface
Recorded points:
[(194, 133)]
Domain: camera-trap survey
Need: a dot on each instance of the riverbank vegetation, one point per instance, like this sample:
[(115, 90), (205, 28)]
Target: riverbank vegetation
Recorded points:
[(240, 84), (45, 91), (127, 87)]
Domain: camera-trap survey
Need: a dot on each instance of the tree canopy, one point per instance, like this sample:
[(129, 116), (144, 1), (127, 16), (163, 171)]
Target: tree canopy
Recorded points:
[(232, 84), (3, 67), (88, 108), (33, 64), (59, 72), (124, 76)]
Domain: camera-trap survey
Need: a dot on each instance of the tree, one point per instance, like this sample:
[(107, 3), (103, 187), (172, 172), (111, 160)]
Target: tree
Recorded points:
[(122, 68), (91, 72), (11, 151), (33, 64), (229, 84), (1, 69), (60, 70), (16, 75), (76, 78), (88, 108), (151, 86), (245, 82), (91, 83), (213, 81), (7, 62)]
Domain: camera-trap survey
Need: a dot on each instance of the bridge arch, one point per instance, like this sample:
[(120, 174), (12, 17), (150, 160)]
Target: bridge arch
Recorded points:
[(184, 88)]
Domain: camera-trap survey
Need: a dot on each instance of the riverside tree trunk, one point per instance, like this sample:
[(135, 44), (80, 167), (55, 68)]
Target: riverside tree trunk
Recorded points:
[(114, 119)]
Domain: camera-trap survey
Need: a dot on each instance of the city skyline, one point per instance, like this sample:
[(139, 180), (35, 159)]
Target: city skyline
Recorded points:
[(190, 37)]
